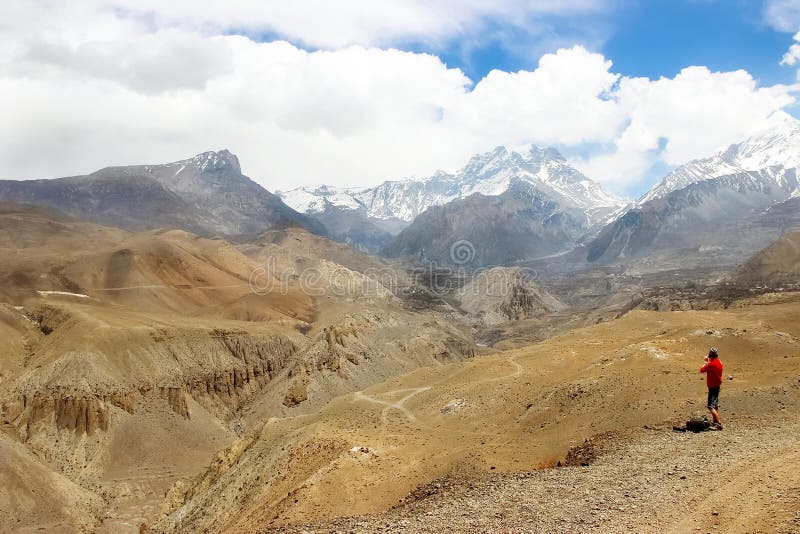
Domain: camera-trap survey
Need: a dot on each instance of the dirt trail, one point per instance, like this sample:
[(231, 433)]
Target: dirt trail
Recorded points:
[(652, 481), (397, 405)]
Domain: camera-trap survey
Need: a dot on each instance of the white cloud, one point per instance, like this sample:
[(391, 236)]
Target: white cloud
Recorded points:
[(315, 23), (565, 100), (783, 15), (168, 59), (123, 90), (792, 56)]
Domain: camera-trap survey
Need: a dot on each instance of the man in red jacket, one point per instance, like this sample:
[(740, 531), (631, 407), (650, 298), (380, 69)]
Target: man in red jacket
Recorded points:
[(713, 371)]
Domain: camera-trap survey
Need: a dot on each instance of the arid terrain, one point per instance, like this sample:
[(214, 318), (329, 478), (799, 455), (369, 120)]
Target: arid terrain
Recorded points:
[(162, 381), (519, 411), (399, 266)]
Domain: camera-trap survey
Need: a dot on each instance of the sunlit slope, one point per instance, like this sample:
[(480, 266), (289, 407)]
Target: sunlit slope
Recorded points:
[(514, 411)]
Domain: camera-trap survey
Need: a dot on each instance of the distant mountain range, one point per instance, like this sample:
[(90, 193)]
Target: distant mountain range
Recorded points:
[(394, 204), (719, 214), (206, 194), (491, 174), (511, 207), (521, 223)]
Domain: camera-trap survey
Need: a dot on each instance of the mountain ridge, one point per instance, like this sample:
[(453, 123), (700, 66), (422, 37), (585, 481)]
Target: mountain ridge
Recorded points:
[(369, 218), (206, 194), (489, 173), (775, 144)]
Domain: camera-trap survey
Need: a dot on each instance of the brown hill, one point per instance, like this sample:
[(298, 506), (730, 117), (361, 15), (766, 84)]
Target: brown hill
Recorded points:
[(117, 343), (32, 493), (150, 271), (776, 265)]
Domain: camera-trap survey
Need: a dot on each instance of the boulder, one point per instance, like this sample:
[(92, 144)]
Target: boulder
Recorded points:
[(698, 422)]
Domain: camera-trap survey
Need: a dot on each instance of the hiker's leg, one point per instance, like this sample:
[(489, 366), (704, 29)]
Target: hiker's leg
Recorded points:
[(713, 404), (715, 414)]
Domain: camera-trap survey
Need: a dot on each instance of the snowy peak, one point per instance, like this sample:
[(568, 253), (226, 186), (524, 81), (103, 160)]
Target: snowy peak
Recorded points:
[(487, 164), (490, 173), (777, 144), (494, 172), (318, 199)]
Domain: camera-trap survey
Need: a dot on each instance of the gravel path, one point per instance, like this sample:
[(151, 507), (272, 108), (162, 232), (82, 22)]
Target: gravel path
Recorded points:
[(743, 479)]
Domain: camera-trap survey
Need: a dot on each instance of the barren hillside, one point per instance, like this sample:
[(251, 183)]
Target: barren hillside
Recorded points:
[(514, 412)]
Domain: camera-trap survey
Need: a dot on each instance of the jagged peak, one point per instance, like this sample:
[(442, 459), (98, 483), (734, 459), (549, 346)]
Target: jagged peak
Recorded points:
[(216, 160)]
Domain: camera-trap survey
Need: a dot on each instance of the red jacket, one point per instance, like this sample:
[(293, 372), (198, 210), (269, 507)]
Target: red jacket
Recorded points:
[(713, 371)]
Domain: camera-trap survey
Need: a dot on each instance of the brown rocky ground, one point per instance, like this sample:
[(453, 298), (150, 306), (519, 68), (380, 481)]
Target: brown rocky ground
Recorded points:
[(512, 413), (129, 359), (139, 365), (744, 479)]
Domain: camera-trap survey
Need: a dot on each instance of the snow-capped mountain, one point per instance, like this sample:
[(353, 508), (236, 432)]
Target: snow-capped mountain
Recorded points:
[(775, 145), (732, 215), (491, 173), (509, 208)]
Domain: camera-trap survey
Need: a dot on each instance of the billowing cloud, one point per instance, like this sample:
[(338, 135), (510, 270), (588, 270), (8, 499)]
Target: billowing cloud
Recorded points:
[(792, 56), (314, 23), (675, 120), (783, 15), (139, 89)]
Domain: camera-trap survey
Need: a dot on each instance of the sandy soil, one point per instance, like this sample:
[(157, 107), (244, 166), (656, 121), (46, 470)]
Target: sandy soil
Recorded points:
[(511, 413), (743, 479)]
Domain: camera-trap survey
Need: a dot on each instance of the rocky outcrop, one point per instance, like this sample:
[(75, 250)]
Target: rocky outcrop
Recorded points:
[(504, 294), (176, 399), (47, 318), (297, 392), (81, 414), (44, 402), (359, 348), (262, 359)]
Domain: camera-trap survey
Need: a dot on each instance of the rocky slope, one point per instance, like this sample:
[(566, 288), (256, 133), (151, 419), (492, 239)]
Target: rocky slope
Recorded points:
[(606, 495), (724, 218), (522, 223), (502, 295), (206, 194), (711, 210), (32, 493), (776, 266), (117, 342)]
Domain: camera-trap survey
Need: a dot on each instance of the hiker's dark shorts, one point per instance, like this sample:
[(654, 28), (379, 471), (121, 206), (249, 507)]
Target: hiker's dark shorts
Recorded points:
[(713, 398)]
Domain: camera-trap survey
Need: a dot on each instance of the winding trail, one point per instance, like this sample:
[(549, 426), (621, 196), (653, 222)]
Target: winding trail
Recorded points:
[(399, 404)]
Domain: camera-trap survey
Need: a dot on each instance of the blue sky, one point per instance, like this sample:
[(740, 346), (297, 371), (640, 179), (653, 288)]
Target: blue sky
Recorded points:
[(659, 37), (651, 38)]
